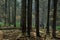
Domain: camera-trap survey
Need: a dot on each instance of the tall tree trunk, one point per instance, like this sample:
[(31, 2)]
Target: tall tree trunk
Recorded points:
[(5, 11), (29, 17), (14, 13), (54, 19), (23, 16), (9, 12), (48, 18), (37, 17)]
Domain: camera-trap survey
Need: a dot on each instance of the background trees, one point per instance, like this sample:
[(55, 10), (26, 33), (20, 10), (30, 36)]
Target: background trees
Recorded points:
[(43, 7)]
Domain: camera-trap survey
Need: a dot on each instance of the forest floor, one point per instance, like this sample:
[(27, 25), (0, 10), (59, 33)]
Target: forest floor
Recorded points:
[(17, 35)]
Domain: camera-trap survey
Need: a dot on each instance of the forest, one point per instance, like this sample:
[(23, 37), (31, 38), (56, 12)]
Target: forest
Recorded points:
[(36, 19)]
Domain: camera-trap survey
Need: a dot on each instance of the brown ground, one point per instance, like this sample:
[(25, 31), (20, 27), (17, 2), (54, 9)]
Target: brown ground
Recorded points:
[(16, 35)]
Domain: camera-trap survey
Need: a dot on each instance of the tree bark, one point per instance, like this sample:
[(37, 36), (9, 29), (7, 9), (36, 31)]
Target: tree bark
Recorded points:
[(23, 16), (14, 13), (9, 12), (37, 17), (29, 17), (48, 18), (54, 18), (5, 11)]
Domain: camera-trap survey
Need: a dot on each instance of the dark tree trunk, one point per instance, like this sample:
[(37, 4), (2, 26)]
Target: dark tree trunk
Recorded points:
[(23, 17), (14, 13), (54, 19), (9, 12), (5, 11), (37, 17), (48, 18), (29, 17)]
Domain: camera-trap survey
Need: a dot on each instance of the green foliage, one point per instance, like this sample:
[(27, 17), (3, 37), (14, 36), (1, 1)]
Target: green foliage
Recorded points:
[(17, 24), (1, 24), (58, 28)]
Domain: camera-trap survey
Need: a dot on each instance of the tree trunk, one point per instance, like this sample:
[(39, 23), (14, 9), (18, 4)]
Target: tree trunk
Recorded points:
[(29, 17), (48, 18), (54, 19), (9, 12), (37, 17), (5, 11), (23, 16), (14, 13)]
